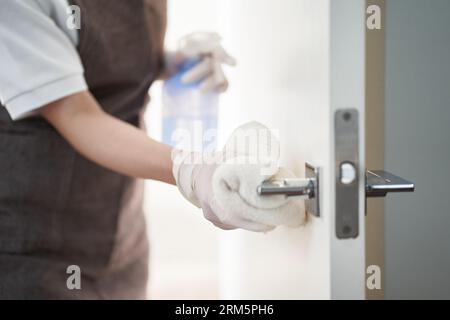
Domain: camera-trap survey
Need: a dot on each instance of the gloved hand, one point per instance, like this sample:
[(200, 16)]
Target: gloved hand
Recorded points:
[(207, 48), (225, 184)]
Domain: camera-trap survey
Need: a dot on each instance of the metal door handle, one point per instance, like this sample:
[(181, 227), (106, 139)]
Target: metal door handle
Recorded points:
[(378, 184), (307, 188), (289, 187)]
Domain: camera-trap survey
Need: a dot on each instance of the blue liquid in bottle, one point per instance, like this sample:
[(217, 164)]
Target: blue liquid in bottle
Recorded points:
[(190, 115)]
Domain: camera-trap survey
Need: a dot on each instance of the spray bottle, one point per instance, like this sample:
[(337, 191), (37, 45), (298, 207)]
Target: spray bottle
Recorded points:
[(190, 115)]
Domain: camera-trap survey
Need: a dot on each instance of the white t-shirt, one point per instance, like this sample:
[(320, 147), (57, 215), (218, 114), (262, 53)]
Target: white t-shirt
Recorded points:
[(39, 62)]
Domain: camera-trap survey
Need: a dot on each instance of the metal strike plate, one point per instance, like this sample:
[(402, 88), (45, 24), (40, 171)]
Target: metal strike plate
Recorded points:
[(307, 189), (379, 183), (347, 177)]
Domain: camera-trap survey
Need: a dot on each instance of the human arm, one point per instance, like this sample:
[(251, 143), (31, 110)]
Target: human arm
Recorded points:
[(108, 141)]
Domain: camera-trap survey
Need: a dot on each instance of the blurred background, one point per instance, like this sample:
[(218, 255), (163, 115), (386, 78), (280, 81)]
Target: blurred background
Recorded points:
[(184, 247)]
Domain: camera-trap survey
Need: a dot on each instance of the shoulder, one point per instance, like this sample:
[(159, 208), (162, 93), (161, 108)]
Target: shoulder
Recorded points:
[(40, 63), (37, 11)]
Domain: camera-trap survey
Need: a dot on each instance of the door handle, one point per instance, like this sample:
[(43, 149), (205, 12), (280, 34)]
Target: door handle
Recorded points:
[(289, 187), (378, 184), (307, 188)]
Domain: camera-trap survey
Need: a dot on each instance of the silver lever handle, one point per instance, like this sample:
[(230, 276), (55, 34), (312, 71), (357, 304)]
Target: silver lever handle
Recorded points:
[(379, 183), (307, 189), (289, 187)]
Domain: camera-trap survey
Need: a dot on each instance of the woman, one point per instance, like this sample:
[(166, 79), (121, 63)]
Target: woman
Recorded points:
[(71, 149)]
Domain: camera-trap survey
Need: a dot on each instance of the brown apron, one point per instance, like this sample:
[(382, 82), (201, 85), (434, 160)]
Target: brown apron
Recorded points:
[(59, 209)]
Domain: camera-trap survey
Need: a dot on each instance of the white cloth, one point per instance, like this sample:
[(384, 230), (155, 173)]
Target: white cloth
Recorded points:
[(39, 62), (236, 181), (235, 189), (225, 185)]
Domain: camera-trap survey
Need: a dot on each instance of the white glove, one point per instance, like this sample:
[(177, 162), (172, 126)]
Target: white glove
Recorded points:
[(226, 189), (206, 47)]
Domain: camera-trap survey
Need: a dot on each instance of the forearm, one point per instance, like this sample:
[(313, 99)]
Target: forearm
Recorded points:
[(108, 141)]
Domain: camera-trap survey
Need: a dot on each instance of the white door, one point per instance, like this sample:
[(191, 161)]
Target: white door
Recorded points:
[(300, 62)]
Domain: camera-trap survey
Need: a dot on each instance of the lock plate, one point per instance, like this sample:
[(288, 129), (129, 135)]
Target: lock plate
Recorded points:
[(347, 177)]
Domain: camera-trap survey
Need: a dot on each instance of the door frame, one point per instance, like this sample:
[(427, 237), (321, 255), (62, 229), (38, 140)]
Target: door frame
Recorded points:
[(348, 71), (375, 142)]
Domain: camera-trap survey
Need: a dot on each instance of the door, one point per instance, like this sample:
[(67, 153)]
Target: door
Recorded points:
[(302, 73)]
